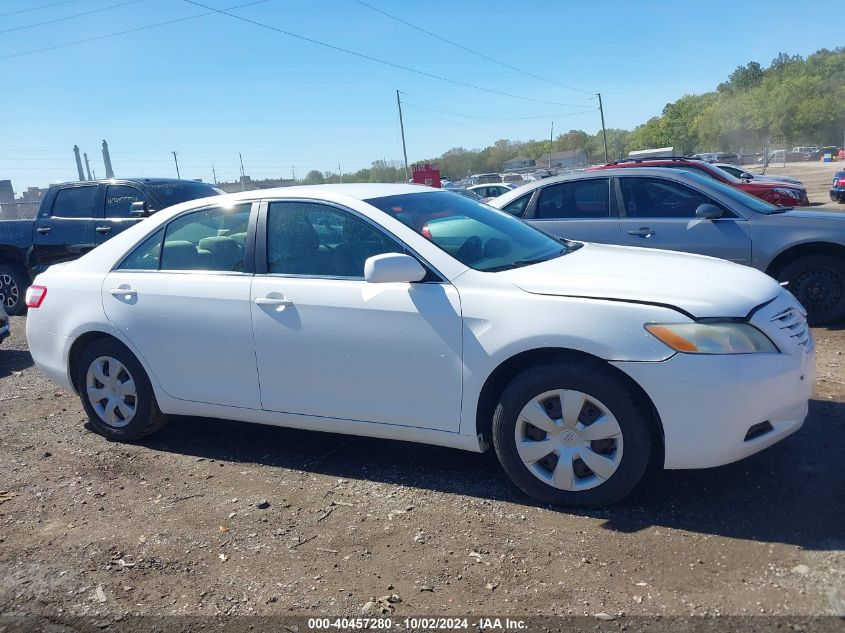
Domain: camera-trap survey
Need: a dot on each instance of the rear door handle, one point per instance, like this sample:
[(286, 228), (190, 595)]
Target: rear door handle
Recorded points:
[(643, 231), (272, 301), (43, 230), (103, 229), (123, 292)]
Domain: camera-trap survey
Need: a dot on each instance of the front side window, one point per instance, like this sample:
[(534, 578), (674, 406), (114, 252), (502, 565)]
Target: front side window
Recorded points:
[(473, 233), (317, 240), (578, 199), (659, 198), (119, 199), (76, 202), (210, 239)]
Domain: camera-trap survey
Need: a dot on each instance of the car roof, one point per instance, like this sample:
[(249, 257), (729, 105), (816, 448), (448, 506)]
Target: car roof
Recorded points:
[(140, 181), (357, 191)]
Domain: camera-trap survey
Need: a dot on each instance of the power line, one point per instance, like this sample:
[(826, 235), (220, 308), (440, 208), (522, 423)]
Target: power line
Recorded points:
[(132, 30), (69, 17), (43, 6), (374, 59), (469, 50)]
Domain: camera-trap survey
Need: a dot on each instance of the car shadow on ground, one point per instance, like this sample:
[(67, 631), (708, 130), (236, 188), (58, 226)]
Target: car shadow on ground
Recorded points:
[(12, 360), (791, 493)]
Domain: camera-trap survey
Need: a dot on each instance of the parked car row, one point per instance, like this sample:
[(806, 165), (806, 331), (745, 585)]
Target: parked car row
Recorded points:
[(686, 210), (421, 315), (74, 218)]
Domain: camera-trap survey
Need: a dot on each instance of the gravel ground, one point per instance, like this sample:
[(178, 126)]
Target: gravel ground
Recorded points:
[(214, 517)]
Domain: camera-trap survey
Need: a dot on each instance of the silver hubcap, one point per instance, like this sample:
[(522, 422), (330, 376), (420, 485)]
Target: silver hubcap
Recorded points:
[(569, 440), (9, 293), (111, 391)]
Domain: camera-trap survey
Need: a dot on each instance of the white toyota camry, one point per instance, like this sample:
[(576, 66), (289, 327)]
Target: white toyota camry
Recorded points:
[(397, 311)]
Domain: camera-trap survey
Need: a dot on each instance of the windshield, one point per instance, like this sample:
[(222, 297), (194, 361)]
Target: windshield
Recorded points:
[(752, 202), (476, 235), (174, 192)]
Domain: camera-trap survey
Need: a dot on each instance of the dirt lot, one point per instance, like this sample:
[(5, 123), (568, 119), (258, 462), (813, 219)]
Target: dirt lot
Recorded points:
[(171, 526)]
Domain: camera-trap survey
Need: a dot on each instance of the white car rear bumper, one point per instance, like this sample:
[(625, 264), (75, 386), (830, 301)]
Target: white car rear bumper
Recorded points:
[(50, 352), (708, 404)]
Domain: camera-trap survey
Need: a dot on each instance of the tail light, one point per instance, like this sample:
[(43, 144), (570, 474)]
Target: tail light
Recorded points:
[(840, 182), (35, 296)]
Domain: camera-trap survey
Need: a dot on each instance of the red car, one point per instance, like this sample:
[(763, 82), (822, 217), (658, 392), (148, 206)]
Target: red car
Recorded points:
[(783, 194)]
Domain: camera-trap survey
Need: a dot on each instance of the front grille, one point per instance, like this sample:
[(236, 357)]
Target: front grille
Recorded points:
[(793, 324)]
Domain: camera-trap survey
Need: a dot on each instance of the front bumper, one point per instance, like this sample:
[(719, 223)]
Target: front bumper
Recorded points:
[(708, 404), (4, 328), (837, 194)]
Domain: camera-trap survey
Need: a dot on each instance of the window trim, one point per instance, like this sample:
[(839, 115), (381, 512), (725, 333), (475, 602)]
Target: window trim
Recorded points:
[(623, 211), (249, 245), (261, 242), (612, 208)]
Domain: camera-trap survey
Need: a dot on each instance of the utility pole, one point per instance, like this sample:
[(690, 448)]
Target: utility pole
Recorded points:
[(243, 175), (339, 174), (214, 173), (603, 131), (402, 127), (293, 171), (178, 175), (551, 142)]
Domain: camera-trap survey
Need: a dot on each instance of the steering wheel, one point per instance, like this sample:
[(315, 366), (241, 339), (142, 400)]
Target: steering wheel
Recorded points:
[(470, 251)]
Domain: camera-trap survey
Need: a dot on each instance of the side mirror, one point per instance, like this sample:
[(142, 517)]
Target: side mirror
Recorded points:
[(708, 211), (393, 268), (746, 176), (139, 210)]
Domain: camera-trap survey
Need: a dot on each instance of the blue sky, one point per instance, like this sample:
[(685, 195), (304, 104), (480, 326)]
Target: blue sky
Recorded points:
[(214, 86)]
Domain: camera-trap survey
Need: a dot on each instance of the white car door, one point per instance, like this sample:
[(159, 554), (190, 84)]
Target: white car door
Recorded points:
[(330, 344), (182, 298)]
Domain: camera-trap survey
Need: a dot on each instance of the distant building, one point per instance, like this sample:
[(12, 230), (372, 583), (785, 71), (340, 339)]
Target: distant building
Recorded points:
[(32, 194), (248, 184), (519, 162), (7, 194), (572, 159)]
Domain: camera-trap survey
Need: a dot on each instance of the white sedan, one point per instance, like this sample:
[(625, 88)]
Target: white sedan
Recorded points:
[(400, 312)]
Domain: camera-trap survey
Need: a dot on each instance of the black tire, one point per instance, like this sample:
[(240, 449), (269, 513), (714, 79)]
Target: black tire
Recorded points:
[(13, 284), (596, 382), (147, 418), (818, 282)]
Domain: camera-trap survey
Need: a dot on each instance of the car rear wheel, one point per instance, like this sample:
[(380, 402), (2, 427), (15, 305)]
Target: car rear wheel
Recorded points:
[(571, 434), (116, 392), (13, 285), (818, 282)]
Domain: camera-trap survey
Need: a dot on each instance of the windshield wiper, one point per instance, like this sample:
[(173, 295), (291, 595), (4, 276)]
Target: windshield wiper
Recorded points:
[(526, 262), (781, 210)]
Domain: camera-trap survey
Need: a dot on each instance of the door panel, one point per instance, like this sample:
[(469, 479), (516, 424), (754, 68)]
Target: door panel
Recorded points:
[(66, 231), (660, 213), (344, 348), (193, 329)]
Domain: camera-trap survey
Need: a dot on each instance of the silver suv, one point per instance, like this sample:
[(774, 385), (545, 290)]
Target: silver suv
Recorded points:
[(678, 210)]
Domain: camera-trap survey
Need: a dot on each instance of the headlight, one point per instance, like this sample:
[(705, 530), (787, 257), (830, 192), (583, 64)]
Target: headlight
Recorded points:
[(724, 337), (792, 193)]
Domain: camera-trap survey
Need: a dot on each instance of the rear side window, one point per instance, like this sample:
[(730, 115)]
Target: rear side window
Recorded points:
[(147, 255), (517, 207), (76, 202), (119, 199), (575, 200), (211, 239)]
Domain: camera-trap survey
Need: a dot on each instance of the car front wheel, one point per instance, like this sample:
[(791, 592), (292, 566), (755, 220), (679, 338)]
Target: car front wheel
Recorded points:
[(116, 393), (571, 434), (818, 282)]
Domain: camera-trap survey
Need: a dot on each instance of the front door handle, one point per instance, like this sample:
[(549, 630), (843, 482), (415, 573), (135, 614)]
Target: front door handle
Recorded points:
[(43, 230), (103, 229), (273, 301), (643, 231), (124, 293)]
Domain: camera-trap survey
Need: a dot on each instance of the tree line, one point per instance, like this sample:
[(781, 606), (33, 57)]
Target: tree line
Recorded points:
[(793, 101)]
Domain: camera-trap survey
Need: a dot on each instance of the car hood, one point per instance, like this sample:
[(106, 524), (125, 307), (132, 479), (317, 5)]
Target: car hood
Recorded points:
[(770, 184), (701, 286), (813, 216), (785, 179)]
